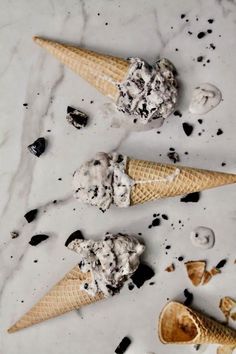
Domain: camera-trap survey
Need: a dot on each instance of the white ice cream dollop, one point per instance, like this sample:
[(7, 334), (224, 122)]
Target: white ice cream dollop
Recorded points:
[(111, 261), (205, 97), (203, 237)]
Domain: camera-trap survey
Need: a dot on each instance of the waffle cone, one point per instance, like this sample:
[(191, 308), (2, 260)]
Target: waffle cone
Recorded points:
[(155, 180), (65, 296), (179, 324), (102, 71)]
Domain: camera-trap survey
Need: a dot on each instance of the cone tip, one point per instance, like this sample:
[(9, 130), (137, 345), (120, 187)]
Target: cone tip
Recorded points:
[(12, 329)]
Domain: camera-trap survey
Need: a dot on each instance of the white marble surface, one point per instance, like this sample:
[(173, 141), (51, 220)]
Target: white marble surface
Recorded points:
[(135, 28)]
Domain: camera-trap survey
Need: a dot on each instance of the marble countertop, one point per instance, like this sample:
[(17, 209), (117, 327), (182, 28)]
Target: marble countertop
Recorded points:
[(147, 29)]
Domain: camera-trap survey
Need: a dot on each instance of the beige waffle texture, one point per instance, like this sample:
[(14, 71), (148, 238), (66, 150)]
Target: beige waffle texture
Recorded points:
[(102, 71), (65, 296), (179, 324), (189, 180)]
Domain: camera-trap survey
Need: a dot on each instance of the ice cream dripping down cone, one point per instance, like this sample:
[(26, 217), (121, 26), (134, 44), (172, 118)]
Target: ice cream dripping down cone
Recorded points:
[(104, 72), (179, 324), (153, 180)]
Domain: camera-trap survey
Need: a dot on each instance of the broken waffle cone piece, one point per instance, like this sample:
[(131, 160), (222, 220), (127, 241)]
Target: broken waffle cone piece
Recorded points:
[(226, 349), (156, 180), (196, 271), (104, 72), (178, 324), (226, 305), (206, 277), (170, 268), (65, 296)]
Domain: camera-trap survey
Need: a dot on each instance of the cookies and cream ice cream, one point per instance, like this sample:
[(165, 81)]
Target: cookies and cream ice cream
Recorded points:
[(102, 181), (149, 92), (111, 261)]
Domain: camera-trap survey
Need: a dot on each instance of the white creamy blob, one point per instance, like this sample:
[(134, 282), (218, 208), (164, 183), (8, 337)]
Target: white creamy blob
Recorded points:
[(203, 237), (205, 97), (111, 261), (148, 93)]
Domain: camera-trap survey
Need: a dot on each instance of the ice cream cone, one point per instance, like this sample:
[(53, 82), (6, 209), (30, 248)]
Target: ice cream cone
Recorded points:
[(179, 324), (102, 71), (155, 180), (65, 296)]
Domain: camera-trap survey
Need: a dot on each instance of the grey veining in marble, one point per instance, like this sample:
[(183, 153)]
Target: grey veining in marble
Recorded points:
[(147, 29)]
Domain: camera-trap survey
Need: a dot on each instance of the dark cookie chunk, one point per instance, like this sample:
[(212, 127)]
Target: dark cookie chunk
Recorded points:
[(76, 235), (37, 148), (191, 198), (221, 264), (219, 132), (177, 113), (174, 156), (36, 239), (189, 298), (123, 346), (142, 274), (201, 35), (77, 118), (188, 128), (31, 215)]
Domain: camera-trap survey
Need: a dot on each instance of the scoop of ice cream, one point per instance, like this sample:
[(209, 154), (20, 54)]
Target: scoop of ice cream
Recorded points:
[(205, 97), (149, 93), (102, 181), (203, 237), (111, 261)]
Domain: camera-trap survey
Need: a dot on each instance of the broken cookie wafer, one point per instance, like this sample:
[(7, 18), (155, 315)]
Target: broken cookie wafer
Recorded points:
[(195, 270)]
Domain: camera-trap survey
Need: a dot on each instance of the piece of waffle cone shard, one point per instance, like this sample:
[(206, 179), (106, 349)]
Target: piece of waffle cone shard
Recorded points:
[(104, 72), (65, 296), (179, 324), (156, 180)]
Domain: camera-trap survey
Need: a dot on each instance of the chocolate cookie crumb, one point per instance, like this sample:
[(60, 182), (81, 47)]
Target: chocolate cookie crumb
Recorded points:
[(165, 217), (130, 286), (201, 35), (221, 264), (190, 33), (76, 235), (182, 16), (189, 298), (223, 164), (76, 117), (180, 259), (219, 132), (191, 198), (35, 261), (211, 20), (14, 234), (36, 239), (177, 113), (212, 46), (200, 58), (123, 346), (188, 128), (37, 148), (25, 104), (156, 222), (200, 121), (31, 215), (142, 274), (174, 156), (209, 31)]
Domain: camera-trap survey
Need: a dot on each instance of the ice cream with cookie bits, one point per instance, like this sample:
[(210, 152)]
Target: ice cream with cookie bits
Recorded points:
[(102, 181), (111, 261), (148, 93)]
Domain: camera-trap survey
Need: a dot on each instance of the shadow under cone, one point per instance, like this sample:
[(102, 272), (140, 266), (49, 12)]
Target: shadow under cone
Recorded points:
[(179, 324), (156, 180), (102, 71), (65, 296)]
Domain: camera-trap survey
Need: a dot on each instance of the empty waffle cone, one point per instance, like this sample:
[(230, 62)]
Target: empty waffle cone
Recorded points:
[(179, 324), (102, 71), (65, 296), (156, 180)]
